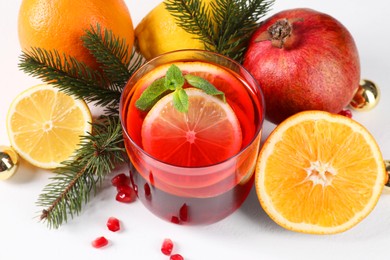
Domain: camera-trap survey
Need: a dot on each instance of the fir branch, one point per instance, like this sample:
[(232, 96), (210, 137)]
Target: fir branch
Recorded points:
[(69, 75), (112, 53), (193, 16), (103, 87), (81, 176), (100, 151), (225, 27), (235, 21)]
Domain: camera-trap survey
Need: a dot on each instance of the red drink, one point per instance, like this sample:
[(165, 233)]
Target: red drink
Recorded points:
[(195, 191)]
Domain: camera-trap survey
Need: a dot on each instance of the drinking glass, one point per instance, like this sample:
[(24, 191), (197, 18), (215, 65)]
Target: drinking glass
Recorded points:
[(192, 195)]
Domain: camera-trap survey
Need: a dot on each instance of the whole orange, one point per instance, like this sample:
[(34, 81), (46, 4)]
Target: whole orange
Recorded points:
[(60, 24)]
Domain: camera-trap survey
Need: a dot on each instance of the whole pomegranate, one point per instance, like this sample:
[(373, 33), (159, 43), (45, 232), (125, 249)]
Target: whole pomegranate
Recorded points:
[(303, 60)]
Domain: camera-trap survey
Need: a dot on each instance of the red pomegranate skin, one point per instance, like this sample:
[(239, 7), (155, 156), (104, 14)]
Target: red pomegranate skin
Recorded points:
[(317, 68)]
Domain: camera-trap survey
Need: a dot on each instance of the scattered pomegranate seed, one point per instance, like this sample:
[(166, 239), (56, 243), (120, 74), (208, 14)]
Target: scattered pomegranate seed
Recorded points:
[(124, 188), (147, 191), (175, 220), (135, 187), (183, 213), (176, 257), (120, 179), (346, 112), (125, 197), (167, 246), (151, 178), (99, 242), (113, 224)]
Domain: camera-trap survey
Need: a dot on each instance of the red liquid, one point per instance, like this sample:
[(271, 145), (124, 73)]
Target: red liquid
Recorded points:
[(199, 195), (187, 210)]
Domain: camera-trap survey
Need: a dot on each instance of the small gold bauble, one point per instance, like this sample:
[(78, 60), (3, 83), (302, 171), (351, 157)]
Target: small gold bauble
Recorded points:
[(8, 162), (366, 97), (387, 185)]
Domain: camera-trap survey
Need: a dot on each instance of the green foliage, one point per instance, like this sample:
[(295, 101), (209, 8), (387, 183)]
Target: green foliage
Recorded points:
[(206, 86), (225, 26), (174, 81), (104, 87), (112, 54), (72, 184), (69, 75), (103, 149)]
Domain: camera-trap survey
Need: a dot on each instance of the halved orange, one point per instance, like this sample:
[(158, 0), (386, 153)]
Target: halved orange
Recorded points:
[(319, 173), (207, 134), (45, 125)]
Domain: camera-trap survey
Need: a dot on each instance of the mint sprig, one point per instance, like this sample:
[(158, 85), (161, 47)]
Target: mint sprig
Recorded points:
[(206, 86), (151, 95), (174, 81), (180, 100)]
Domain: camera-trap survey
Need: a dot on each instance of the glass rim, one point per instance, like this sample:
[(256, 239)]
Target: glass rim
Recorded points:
[(242, 150)]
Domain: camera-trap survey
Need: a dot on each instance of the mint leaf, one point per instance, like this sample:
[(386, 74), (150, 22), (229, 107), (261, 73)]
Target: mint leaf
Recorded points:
[(180, 100), (204, 85), (174, 78), (174, 81), (151, 94)]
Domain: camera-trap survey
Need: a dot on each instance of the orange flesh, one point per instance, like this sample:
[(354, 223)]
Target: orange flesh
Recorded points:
[(321, 173)]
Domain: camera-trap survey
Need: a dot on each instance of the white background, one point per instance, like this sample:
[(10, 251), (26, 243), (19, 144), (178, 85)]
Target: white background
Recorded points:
[(248, 233)]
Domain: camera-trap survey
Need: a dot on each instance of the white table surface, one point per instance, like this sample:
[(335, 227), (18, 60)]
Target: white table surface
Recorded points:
[(247, 234)]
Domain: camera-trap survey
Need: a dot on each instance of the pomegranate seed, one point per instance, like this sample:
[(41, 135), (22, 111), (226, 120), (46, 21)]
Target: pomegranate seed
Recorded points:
[(120, 179), (176, 257), (183, 213), (125, 197), (113, 224), (151, 178), (167, 246), (124, 188), (99, 242), (346, 112), (175, 220), (147, 191), (131, 178), (135, 187)]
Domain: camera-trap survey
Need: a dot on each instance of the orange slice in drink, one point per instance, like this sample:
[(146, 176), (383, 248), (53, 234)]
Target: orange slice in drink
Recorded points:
[(223, 79), (319, 173), (207, 134)]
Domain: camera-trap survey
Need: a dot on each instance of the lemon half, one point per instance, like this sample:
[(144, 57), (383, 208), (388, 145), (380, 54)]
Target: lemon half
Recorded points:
[(45, 125)]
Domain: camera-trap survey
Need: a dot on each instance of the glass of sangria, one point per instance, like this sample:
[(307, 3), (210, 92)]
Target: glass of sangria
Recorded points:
[(194, 165)]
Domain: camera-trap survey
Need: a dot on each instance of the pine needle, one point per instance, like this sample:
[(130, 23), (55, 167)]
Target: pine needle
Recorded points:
[(103, 149), (225, 26), (69, 75), (103, 88), (112, 53), (194, 17), (80, 177)]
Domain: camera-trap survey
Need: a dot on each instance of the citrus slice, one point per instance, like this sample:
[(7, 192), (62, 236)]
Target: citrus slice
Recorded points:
[(319, 173), (44, 125), (207, 134), (223, 79)]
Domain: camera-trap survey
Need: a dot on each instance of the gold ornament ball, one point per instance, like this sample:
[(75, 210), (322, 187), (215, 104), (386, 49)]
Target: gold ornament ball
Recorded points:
[(366, 97), (387, 185), (8, 162)]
